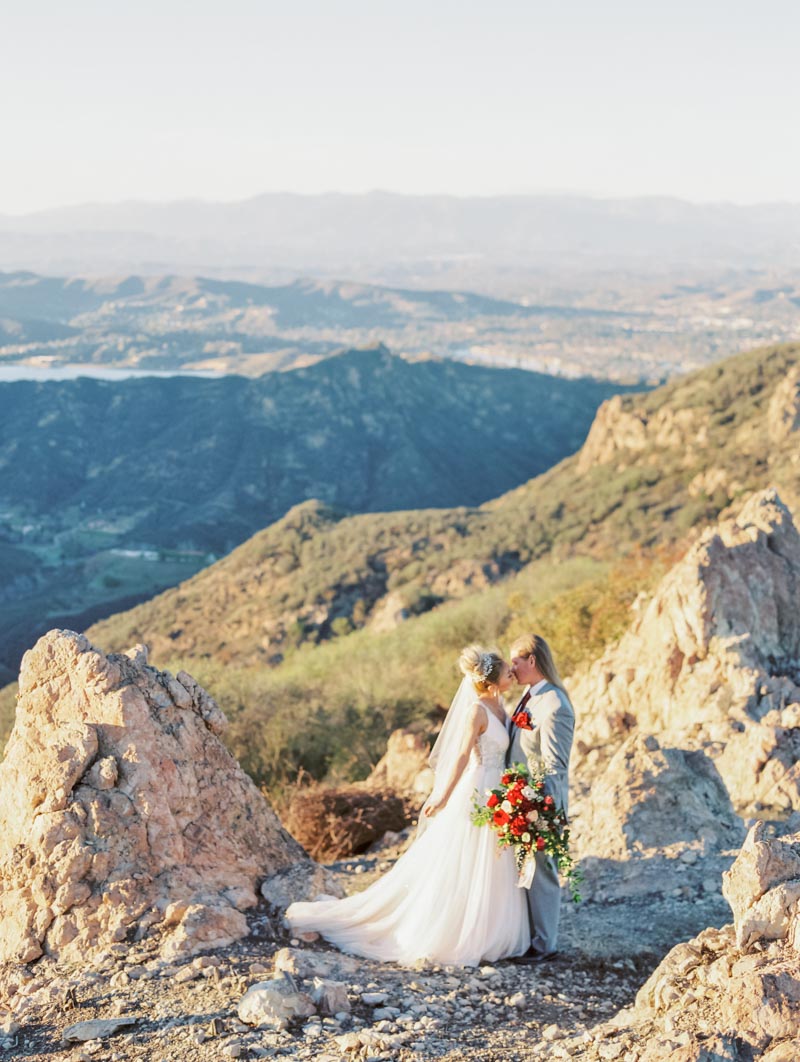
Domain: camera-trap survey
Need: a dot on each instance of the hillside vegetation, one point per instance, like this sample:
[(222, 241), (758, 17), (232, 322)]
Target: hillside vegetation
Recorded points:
[(655, 467), (284, 629)]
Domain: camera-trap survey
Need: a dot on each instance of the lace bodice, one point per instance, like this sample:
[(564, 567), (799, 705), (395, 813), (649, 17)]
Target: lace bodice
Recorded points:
[(490, 748)]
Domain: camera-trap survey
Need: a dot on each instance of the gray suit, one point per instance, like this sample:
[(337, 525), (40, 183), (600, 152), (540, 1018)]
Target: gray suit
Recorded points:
[(550, 741)]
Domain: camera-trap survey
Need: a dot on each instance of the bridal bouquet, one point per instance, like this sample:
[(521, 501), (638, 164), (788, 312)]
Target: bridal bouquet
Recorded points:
[(524, 817)]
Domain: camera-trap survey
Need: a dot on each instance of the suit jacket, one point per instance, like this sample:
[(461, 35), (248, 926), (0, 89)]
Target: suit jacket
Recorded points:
[(550, 740)]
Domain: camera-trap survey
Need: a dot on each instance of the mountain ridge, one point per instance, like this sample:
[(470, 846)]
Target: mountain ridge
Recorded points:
[(281, 231)]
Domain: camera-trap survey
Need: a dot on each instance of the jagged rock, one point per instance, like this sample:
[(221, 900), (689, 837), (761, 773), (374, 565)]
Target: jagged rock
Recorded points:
[(122, 814), (763, 887), (388, 613), (715, 1049), (713, 662), (404, 766), (96, 1029), (749, 969), (330, 997), (783, 416), (301, 881), (618, 433), (274, 1003)]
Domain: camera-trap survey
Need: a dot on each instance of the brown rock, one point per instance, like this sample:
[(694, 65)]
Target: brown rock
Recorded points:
[(620, 432), (755, 993), (121, 812), (327, 965), (783, 415), (404, 766), (763, 887)]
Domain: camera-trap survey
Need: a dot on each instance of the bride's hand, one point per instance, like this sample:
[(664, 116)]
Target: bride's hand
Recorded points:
[(431, 809)]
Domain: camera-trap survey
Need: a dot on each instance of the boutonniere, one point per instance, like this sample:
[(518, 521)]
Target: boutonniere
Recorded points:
[(522, 719)]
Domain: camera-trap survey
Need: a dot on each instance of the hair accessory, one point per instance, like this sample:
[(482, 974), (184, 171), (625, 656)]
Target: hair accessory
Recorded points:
[(486, 664)]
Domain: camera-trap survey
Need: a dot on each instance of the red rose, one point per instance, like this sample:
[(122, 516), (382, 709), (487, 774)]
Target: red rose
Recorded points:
[(506, 779), (548, 802), (540, 843), (522, 720), (514, 796), (500, 817), (493, 801), (518, 827)]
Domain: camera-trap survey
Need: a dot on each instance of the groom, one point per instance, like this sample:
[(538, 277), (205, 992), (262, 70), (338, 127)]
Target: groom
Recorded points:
[(544, 722)]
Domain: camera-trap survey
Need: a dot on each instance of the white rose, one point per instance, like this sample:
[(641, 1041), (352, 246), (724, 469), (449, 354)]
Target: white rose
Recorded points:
[(532, 816), (529, 793), (526, 837), (507, 806)]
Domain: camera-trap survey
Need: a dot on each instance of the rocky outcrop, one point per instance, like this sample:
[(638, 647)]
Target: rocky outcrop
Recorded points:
[(712, 662), (740, 984), (622, 431), (122, 814), (784, 408)]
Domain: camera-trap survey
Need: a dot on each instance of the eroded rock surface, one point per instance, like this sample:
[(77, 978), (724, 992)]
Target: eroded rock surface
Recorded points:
[(712, 663), (737, 987), (122, 814)]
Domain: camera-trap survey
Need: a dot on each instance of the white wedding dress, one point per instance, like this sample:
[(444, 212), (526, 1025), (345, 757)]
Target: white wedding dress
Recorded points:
[(452, 897)]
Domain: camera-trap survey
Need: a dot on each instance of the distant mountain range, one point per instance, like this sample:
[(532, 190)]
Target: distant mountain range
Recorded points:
[(108, 489), (201, 324), (397, 239)]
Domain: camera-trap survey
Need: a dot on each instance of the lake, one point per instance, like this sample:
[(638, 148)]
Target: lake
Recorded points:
[(13, 373)]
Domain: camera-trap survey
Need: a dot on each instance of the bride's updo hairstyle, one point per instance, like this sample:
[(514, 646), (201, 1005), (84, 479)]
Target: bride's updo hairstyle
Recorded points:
[(482, 666)]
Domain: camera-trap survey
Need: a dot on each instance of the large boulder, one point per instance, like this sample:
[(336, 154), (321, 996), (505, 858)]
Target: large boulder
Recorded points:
[(122, 814), (650, 797), (712, 662), (656, 820)]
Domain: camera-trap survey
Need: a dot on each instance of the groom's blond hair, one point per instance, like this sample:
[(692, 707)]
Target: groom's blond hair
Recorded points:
[(534, 645)]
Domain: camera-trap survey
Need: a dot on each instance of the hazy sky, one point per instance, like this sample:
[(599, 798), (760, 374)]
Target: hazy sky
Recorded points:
[(161, 99)]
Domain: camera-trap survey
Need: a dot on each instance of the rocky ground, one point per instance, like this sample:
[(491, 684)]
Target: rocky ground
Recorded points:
[(500, 1012)]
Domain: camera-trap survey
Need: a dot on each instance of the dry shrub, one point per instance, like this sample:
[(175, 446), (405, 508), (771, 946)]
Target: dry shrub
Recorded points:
[(337, 823)]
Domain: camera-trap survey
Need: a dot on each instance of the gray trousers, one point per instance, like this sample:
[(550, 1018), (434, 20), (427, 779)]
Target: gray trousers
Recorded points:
[(544, 905)]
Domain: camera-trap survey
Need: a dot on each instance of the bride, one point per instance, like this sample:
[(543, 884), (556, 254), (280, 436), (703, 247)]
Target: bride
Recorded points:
[(452, 896)]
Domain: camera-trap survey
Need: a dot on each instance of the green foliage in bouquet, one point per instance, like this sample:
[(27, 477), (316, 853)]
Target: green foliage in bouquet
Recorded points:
[(525, 818)]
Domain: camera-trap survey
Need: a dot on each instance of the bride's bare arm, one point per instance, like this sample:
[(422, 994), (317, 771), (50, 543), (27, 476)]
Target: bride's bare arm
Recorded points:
[(476, 724)]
